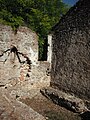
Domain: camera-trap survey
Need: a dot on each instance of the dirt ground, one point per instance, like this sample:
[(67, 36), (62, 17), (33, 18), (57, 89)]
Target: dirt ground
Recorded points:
[(48, 109)]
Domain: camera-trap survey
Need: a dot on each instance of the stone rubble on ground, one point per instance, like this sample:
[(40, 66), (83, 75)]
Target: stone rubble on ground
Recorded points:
[(65, 100), (11, 109)]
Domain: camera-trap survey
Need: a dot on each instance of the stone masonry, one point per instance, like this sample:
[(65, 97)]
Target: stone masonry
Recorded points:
[(71, 51), (21, 75), (26, 42)]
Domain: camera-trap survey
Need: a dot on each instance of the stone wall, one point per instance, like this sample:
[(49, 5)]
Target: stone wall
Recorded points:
[(20, 73), (71, 51), (25, 40)]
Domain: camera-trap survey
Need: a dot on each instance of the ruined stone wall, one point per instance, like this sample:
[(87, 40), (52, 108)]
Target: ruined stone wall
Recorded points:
[(71, 51), (12, 71)]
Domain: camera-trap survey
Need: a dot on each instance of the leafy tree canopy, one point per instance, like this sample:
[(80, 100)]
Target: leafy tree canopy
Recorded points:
[(39, 15)]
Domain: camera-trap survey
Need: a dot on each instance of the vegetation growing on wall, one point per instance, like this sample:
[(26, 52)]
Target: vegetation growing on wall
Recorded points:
[(39, 15)]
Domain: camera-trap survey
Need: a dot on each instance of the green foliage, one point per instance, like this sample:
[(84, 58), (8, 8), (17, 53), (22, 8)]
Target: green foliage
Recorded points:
[(39, 15), (7, 18)]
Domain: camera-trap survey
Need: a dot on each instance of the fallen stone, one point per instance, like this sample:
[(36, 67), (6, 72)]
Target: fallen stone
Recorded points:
[(65, 100), (11, 109)]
